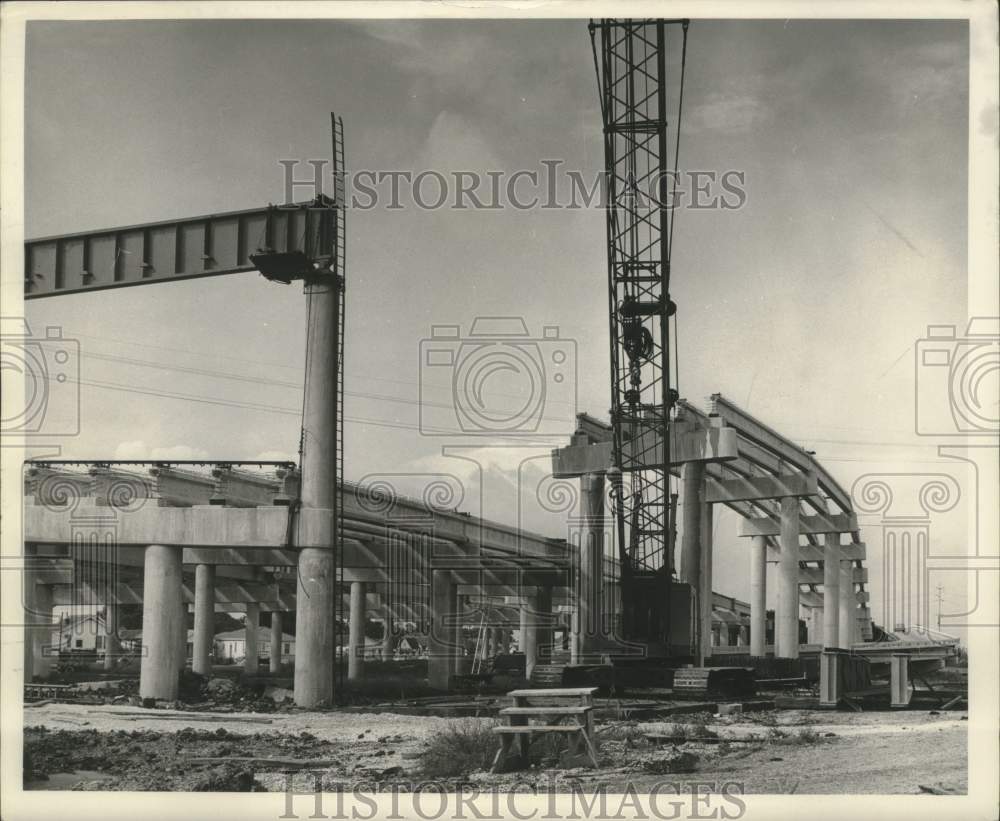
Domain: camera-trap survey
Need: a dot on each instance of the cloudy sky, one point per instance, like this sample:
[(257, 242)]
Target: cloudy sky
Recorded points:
[(803, 306)]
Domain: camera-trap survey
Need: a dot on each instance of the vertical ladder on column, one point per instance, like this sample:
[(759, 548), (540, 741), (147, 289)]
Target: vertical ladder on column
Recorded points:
[(480, 651), (339, 269)]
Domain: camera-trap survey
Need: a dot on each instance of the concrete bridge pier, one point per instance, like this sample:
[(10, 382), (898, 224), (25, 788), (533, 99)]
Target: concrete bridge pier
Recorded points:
[(204, 618), (707, 528), (758, 596), (786, 632), (158, 670), (899, 680), (528, 639), (848, 606), (693, 478), (589, 571), (863, 616), (831, 676), (356, 632), (112, 645), (38, 629), (315, 588), (277, 635), (545, 638), (387, 640), (251, 647), (182, 635), (443, 641), (818, 628), (831, 590), (536, 629), (314, 602)]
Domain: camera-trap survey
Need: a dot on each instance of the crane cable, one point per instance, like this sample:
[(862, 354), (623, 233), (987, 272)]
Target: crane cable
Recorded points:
[(677, 143)]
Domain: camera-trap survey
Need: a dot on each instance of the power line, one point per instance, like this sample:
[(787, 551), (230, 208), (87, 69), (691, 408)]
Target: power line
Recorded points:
[(207, 400), (260, 380), (298, 385)]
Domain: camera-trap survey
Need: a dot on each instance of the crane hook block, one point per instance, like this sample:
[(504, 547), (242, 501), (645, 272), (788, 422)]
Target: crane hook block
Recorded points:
[(632, 308)]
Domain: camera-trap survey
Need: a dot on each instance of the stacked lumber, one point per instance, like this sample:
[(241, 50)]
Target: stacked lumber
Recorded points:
[(714, 682)]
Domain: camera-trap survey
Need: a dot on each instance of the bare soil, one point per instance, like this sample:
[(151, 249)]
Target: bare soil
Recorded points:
[(792, 751)]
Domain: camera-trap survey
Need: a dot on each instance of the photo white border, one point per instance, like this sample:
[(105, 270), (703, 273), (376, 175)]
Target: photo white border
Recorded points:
[(984, 299)]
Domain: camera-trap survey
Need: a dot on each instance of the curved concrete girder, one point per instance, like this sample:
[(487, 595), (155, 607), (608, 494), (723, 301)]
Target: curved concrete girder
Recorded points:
[(764, 436)]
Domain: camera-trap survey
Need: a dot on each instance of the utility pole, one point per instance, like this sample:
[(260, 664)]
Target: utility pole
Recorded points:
[(939, 589)]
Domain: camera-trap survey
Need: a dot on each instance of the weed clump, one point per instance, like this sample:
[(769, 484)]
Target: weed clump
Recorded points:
[(461, 748)]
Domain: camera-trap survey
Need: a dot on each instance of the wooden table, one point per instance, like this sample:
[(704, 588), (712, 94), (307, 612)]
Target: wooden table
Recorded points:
[(571, 705)]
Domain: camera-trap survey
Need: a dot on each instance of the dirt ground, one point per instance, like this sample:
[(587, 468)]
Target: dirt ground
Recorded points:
[(104, 747)]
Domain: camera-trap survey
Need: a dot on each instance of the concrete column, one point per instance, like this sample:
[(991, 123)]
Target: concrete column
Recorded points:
[(705, 596), (693, 476), (787, 612), (277, 636), (443, 640), (831, 590), (161, 594), (112, 646), (30, 621), (387, 642), (814, 626), (848, 606), (38, 630), (314, 603), (527, 640), (861, 623), (356, 632), (831, 677), (204, 618), (533, 636), (250, 660), (589, 573), (182, 635), (314, 634), (899, 680), (758, 596), (546, 631)]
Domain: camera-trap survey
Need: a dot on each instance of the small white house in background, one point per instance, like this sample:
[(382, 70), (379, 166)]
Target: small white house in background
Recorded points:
[(231, 645), (82, 633)]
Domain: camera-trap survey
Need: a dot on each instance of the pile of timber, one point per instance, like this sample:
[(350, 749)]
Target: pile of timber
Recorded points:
[(714, 682), (572, 675)]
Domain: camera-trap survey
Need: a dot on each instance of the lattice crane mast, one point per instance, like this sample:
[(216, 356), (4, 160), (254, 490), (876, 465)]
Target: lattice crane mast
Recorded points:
[(640, 70)]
